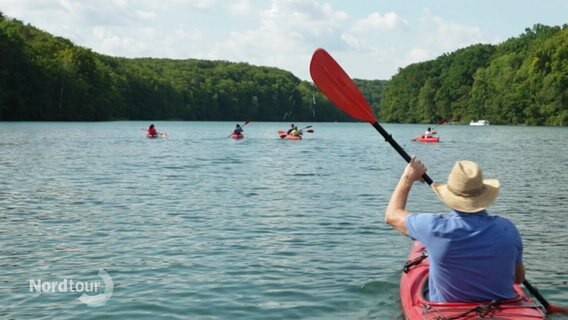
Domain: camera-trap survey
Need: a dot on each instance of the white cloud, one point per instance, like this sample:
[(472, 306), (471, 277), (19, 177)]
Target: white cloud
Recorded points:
[(165, 5), (433, 36), (418, 54), (446, 35), (91, 13), (199, 3), (452, 35), (351, 41), (145, 15), (381, 23), (287, 34), (242, 8)]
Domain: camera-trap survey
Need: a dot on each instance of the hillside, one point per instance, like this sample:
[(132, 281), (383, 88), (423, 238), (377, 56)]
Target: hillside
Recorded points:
[(43, 77), (523, 80)]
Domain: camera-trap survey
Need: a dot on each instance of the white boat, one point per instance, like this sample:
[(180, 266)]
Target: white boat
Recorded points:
[(479, 123)]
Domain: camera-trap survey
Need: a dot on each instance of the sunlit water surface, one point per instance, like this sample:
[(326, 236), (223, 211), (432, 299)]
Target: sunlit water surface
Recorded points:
[(200, 226)]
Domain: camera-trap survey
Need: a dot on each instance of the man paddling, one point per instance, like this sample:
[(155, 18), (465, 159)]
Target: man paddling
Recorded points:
[(474, 256), (429, 133), (292, 126), (238, 130)]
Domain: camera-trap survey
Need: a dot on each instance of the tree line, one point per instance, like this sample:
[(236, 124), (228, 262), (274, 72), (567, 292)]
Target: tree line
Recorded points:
[(43, 77), (523, 80)]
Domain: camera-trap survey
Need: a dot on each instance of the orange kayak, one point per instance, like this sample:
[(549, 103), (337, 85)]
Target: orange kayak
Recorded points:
[(284, 135), (427, 140)]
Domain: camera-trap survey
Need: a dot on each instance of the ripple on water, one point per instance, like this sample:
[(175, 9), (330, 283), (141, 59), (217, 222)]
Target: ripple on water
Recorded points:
[(209, 228)]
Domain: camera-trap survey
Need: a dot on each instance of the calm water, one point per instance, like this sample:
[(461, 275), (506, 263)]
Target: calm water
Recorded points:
[(201, 226)]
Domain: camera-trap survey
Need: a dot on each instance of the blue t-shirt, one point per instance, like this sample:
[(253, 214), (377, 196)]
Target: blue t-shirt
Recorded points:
[(472, 256)]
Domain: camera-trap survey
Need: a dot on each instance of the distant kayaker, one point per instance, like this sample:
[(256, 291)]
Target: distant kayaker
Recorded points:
[(429, 133), (473, 256), (296, 132), (152, 132), (238, 130), (291, 129)]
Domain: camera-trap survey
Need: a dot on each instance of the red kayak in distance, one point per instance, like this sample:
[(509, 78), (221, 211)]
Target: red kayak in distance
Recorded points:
[(284, 135), (158, 135), (415, 306), (237, 136), (427, 140)]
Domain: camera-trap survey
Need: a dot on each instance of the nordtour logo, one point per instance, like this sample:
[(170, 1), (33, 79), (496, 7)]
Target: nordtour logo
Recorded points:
[(69, 285)]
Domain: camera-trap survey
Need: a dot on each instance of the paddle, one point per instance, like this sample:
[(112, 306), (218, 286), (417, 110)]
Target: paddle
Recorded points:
[(334, 82), (244, 124), (282, 136), (549, 308), (440, 123)]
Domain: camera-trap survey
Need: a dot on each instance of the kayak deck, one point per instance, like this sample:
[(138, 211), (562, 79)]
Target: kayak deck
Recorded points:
[(416, 306)]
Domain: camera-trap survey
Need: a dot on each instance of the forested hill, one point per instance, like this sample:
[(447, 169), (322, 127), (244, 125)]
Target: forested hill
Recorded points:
[(523, 80), (43, 77)]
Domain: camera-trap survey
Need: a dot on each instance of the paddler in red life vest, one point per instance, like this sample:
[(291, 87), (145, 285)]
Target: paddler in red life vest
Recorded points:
[(152, 132)]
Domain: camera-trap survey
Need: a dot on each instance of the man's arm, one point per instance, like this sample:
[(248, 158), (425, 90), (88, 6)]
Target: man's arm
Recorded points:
[(519, 273), (396, 212)]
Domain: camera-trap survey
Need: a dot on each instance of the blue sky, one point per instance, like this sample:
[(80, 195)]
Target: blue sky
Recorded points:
[(370, 39)]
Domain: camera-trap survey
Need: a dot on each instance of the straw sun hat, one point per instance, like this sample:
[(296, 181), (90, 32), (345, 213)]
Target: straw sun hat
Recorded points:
[(466, 190)]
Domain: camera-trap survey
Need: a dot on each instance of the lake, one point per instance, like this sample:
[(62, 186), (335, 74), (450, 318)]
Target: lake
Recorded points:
[(201, 226)]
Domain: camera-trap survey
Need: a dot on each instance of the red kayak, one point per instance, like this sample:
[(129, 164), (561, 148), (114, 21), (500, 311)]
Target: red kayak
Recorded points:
[(157, 135), (427, 140), (284, 135), (237, 136), (415, 306)]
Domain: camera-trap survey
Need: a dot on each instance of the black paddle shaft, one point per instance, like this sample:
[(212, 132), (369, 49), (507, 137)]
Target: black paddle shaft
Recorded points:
[(388, 137), (537, 294)]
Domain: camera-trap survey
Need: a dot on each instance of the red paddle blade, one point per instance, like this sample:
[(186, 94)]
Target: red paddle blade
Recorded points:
[(310, 130), (338, 87)]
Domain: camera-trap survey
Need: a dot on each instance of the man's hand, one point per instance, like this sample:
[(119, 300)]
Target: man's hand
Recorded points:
[(414, 170)]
